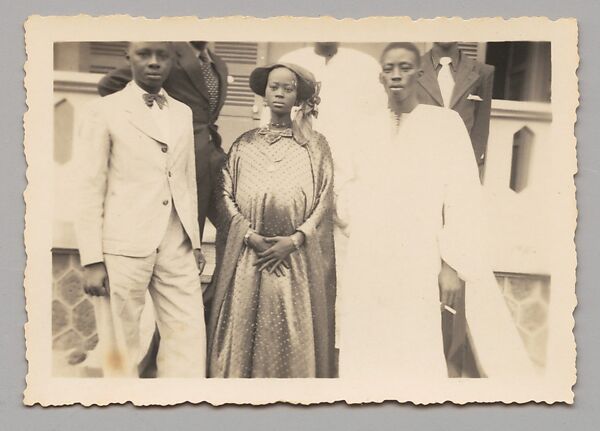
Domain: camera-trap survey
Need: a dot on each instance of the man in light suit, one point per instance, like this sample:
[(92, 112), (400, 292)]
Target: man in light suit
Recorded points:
[(198, 78), (451, 79), (137, 226), (462, 84)]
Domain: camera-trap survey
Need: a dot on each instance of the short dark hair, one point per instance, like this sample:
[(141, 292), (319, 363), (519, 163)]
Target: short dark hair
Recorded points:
[(131, 42), (409, 46)]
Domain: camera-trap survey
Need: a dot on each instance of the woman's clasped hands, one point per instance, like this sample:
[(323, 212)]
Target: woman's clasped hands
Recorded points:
[(273, 252)]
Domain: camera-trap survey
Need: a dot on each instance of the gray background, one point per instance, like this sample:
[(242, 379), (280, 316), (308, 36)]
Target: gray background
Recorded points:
[(13, 416)]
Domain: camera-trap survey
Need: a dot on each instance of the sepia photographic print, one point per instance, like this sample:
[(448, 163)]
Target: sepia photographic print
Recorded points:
[(251, 211)]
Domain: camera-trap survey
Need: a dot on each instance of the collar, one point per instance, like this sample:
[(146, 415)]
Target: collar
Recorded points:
[(455, 60), (139, 90), (197, 52), (272, 136), (398, 119)]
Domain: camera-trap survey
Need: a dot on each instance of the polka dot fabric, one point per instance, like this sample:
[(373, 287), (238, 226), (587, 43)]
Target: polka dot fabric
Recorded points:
[(265, 328)]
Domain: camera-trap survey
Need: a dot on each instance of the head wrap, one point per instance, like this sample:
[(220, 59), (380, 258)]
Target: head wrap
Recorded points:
[(307, 97)]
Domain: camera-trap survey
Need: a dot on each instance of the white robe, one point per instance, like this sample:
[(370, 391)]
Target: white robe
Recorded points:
[(350, 90), (416, 199)]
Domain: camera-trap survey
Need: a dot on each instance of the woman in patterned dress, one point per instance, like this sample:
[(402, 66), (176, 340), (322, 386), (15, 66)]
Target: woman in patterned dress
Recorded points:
[(272, 312)]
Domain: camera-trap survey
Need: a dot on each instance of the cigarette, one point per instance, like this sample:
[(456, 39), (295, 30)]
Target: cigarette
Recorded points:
[(450, 309)]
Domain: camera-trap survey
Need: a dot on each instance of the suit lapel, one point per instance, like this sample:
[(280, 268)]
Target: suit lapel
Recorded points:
[(466, 75), (429, 79), (140, 116), (191, 65), (176, 121)]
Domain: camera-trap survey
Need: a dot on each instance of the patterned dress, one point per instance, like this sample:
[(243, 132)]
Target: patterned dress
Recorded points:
[(264, 324)]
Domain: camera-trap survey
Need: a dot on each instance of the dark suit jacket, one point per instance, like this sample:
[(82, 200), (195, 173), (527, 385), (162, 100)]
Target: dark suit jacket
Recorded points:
[(186, 84), (473, 79)]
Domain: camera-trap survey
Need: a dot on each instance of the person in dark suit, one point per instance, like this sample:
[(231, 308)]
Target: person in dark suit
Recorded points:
[(198, 78), (451, 79), (467, 89)]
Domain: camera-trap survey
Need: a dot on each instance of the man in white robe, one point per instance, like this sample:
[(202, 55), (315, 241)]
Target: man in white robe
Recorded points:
[(417, 223), (349, 92)]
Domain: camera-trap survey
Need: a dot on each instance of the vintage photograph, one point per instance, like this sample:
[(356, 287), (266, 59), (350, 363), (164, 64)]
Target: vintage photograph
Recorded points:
[(227, 210)]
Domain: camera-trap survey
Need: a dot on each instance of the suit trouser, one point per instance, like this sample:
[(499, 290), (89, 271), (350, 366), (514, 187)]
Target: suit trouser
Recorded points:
[(171, 276), (457, 348), (209, 160)]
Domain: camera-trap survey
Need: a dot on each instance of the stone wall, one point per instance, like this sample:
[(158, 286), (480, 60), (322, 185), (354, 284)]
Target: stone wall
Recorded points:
[(74, 325), (528, 298), (73, 322)]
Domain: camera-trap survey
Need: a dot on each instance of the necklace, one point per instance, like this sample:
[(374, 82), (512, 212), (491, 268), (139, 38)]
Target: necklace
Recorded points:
[(282, 125)]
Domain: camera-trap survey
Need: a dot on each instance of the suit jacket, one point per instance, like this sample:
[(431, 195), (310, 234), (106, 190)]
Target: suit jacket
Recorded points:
[(471, 97), (186, 84), (130, 175)]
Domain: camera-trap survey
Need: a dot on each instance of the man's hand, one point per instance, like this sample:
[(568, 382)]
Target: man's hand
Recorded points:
[(450, 285), (95, 280), (200, 260)]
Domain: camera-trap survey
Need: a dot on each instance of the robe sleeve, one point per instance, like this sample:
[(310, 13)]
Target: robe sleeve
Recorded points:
[(346, 175), (226, 205), (324, 191), (493, 334), (461, 239)]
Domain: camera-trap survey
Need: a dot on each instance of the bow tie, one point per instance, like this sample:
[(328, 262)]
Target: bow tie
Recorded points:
[(158, 98)]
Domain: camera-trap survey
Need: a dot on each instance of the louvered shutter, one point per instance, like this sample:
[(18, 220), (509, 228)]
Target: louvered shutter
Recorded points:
[(241, 59), (475, 50), (105, 56)]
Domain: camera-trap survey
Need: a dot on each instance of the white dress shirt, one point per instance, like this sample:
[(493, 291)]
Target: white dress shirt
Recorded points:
[(161, 116)]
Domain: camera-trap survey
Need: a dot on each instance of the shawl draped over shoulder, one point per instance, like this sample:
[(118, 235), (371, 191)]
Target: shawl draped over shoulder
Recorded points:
[(232, 226)]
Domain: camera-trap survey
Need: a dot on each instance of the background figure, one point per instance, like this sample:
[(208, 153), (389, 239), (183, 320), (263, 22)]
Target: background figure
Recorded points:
[(198, 79), (451, 79), (349, 92), (273, 309)]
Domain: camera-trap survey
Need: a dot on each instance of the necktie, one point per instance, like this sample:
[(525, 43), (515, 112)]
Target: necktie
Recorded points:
[(446, 80), (211, 80), (160, 100)]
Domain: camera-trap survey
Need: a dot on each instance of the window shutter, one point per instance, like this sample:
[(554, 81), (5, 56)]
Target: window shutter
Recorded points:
[(241, 59), (105, 56), (475, 50), (237, 52)]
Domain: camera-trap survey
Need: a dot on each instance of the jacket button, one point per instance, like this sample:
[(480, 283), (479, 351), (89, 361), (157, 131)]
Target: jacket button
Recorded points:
[(165, 202), (164, 149)]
